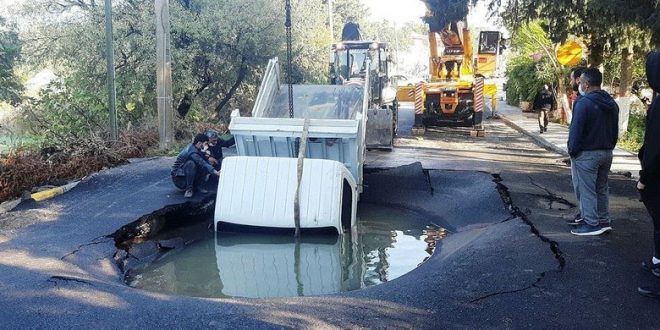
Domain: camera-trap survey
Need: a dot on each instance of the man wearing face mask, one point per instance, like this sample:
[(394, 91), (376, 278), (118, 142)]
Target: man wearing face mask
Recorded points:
[(591, 138), (215, 147), (575, 79), (575, 82), (189, 167)]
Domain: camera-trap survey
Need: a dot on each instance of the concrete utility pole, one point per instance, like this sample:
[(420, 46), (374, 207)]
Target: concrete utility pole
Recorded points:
[(164, 74), (110, 64), (331, 21)]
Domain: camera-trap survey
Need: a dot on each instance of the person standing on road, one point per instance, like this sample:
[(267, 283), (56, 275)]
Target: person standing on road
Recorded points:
[(189, 166), (591, 138), (649, 157), (543, 103), (575, 82)]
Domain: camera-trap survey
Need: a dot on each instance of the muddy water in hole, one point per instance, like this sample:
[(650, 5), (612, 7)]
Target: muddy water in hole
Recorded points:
[(389, 243)]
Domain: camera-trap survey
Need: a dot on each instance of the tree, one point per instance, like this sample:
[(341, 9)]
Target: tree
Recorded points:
[(642, 14), (215, 59), (10, 52), (618, 26), (621, 35), (534, 64), (345, 11), (219, 51), (446, 11), (216, 47)]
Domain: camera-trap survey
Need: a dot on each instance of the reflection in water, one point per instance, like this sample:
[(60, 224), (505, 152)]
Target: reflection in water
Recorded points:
[(388, 244), (276, 266)]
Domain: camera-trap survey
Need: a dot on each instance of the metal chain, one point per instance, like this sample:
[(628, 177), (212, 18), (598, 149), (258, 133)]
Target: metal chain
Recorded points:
[(289, 55)]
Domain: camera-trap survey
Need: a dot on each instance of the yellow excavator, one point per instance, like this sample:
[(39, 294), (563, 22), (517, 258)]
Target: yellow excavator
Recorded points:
[(454, 87)]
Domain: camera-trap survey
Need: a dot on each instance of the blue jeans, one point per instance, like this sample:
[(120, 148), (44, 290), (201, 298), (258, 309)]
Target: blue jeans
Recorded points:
[(188, 176), (589, 171), (576, 186)]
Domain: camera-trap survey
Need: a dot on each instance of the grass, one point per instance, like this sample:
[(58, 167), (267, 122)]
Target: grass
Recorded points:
[(8, 142)]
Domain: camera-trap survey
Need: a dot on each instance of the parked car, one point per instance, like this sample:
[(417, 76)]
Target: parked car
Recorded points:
[(399, 80)]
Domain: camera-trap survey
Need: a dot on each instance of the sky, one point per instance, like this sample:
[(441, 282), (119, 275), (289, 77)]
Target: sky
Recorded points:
[(398, 11), (402, 11), (3, 5)]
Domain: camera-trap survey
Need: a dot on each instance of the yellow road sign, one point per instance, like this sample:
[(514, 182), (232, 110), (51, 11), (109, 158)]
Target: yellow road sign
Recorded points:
[(569, 53)]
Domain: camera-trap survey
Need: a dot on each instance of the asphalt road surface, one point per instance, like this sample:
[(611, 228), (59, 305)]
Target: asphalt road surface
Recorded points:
[(509, 262)]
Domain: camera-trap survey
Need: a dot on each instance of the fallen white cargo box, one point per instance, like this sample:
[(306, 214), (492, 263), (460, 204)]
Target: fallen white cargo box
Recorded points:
[(259, 191)]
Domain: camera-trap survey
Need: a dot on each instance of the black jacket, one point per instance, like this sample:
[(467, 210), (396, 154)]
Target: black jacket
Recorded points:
[(216, 150), (544, 99), (190, 152), (649, 154), (595, 123)]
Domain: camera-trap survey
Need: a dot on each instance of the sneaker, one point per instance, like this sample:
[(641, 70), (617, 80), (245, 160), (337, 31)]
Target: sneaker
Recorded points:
[(202, 190), (651, 267), (586, 229), (545, 129), (188, 193), (578, 220), (575, 221), (647, 292), (541, 130)]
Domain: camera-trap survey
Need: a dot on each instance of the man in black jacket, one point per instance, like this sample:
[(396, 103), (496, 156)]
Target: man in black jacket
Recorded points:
[(649, 176), (591, 138), (215, 147), (543, 103), (189, 167)]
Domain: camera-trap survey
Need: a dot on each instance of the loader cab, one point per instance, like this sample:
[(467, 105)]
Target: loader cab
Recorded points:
[(348, 62), (490, 47)]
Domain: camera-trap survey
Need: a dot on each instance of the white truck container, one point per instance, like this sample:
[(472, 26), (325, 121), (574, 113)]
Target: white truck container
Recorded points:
[(259, 191), (336, 137)]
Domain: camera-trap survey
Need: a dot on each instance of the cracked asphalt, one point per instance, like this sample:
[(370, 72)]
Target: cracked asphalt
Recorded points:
[(509, 262)]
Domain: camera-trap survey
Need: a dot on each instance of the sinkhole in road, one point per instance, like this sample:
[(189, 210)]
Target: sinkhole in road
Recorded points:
[(193, 260)]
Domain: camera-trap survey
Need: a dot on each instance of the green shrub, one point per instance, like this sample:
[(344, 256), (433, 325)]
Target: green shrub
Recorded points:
[(523, 80), (634, 137)]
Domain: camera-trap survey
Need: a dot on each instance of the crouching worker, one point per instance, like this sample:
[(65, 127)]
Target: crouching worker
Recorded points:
[(190, 168), (215, 147)]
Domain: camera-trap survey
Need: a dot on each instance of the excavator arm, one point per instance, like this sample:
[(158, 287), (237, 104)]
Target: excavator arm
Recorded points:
[(454, 58)]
